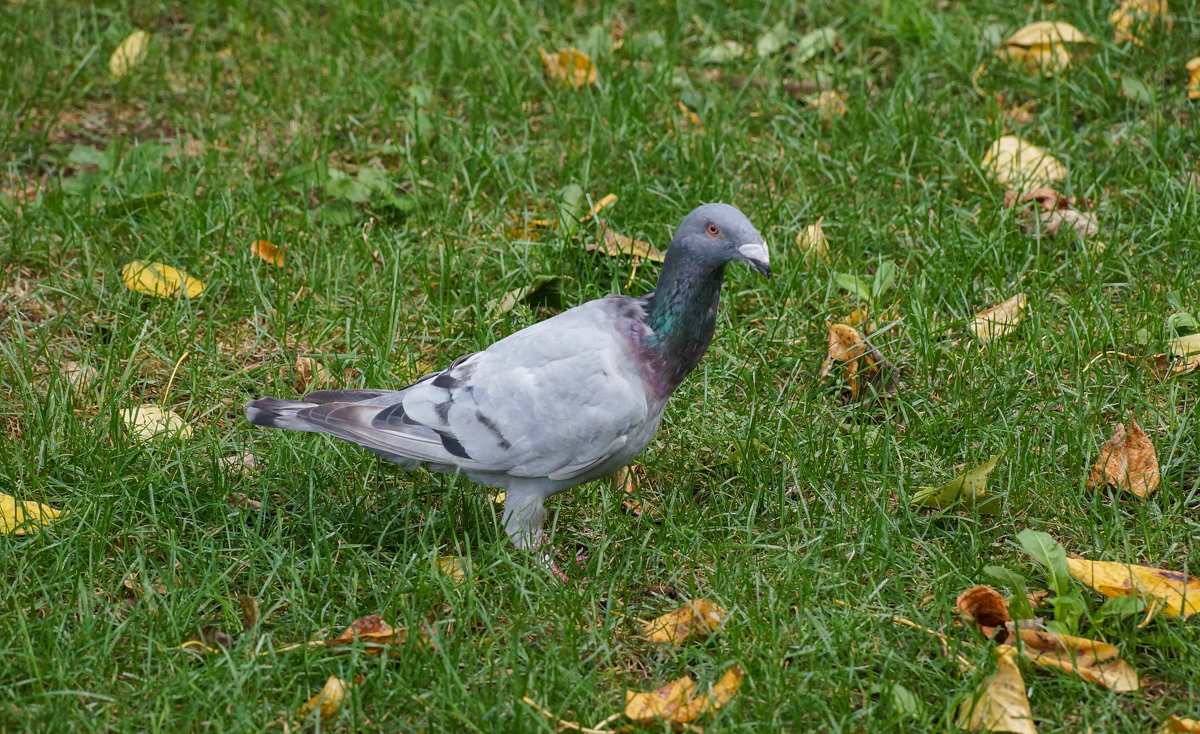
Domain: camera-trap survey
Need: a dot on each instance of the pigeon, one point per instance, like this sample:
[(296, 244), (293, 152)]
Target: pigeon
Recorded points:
[(568, 400)]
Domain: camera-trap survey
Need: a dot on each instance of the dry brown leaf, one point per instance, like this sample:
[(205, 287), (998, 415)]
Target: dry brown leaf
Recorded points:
[(627, 480), (1174, 723), (243, 463), (1044, 197), (829, 104), (1133, 17), (1021, 164), (1177, 594), (811, 241), (999, 704), (128, 54), (148, 421), (1084, 224), (160, 280), (267, 251), (1193, 70), (692, 621), (616, 244), (984, 607), (79, 377), (250, 613), (310, 374), (569, 65), (17, 517), (1127, 461), (1091, 660), (865, 365), (997, 321), (327, 701), (456, 567), (676, 702), (370, 629), (208, 639)]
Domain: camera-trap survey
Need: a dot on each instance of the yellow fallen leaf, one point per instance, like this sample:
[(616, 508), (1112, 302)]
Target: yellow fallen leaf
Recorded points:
[(1186, 348), (1133, 17), (1039, 49), (160, 280), (1193, 70), (455, 567), (999, 320), (616, 244), (1177, 593), (999, 704), (128, 54), (371, 630), (1021, 164), (691, 621), (16, 517), (676, 702), (327, 701), (569, 65), (811, 241), (970, 489), (1091, 660), (268, 251), (1047, 59), (148, 421), (1047, 31), (829, 104), (1127, 461), (1174, 723)]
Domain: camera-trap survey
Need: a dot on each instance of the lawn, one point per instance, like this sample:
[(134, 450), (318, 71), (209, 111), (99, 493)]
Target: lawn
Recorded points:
[(402, 155)]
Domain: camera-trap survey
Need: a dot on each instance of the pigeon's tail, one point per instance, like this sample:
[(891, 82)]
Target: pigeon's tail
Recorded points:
[(278, 413)]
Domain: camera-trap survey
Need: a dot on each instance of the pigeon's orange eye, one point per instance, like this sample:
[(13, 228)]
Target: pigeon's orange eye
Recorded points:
[(713, 230)]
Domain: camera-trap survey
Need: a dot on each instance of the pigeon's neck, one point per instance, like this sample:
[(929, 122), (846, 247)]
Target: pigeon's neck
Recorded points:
[(683, 317)]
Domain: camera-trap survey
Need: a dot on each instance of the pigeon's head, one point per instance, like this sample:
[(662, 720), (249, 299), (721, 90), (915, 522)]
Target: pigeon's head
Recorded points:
[(719, 233)]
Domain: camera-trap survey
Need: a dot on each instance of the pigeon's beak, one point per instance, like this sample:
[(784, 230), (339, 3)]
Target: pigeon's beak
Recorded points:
[(756, 254)]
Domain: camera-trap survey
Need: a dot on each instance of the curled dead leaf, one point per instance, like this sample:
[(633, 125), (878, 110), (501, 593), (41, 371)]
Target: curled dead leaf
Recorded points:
[(1044, 198), (371, 630), (569, 65), (692, 621), (148, 421), (157, 279), (676, 702), (310, 374), (984, 607), (1174, 724), (1127, 461), (268, 252), (1092, 660), (999, 703), (1176, 594), (811, 241), (327, 701), (1084, 224), (1133, 18), (1193, 85), (1000, 320), (1039, 47), (865, 366), (1021, 164), (17, 517)]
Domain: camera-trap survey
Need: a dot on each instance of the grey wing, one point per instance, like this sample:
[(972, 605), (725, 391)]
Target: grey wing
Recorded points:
[(556, 400)]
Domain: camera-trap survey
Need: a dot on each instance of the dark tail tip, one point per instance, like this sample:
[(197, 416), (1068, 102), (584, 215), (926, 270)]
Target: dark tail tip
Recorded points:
[(274, 412)]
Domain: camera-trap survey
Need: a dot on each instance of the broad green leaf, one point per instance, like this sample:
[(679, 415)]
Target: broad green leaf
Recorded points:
[(341, 186), (86, 155), (1050, 553), (885, 276), (905, 701), (1121, 606), (813, 43), (570, 208), (854, 284), (970, 489), (772, 40), (1018, 605), (720, 53), (338, 212), (1182, 321)]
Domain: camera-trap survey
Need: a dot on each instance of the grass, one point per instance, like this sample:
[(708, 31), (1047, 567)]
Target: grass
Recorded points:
[(775, 496)]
